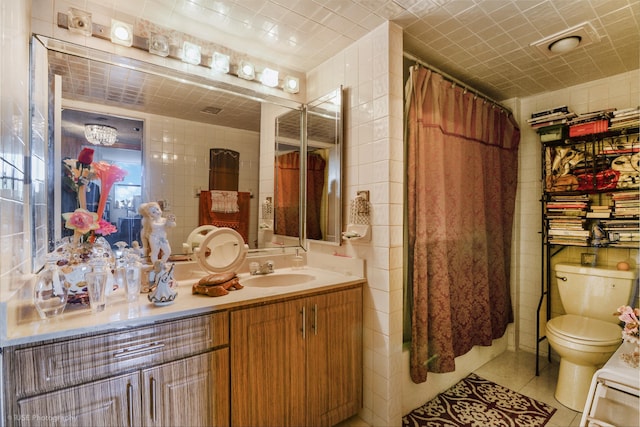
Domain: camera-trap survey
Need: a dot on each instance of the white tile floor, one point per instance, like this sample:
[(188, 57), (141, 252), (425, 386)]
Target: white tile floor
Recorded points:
[(517, 371)]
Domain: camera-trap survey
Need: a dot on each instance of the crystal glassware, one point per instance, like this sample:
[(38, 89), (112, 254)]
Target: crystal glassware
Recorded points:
[(132, 281), (50, 292), (97, 287)]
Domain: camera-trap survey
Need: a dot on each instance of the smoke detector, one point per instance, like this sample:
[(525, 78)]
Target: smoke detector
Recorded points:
[(559, 43)]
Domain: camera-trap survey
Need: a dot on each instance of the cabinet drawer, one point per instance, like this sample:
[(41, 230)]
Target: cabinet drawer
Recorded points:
[(61, 364)]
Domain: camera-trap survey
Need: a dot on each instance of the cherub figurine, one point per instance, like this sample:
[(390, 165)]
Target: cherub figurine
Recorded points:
[(154, 234)]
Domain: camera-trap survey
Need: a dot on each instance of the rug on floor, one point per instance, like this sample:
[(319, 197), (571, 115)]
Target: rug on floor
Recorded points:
[(477, 402)]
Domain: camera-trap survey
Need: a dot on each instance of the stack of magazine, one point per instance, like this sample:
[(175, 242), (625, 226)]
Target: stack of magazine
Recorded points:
[(551, 117), (626, 204), (625, 118), (625, 229), (566, 215)]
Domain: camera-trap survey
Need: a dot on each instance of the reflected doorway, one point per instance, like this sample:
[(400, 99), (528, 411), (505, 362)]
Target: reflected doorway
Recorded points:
[(121, 202), (224, 169)]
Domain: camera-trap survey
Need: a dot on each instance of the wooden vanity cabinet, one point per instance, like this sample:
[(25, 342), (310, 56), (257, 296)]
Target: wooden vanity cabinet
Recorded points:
[(188, 392), (171, 373), (108, 402), (297, 362)]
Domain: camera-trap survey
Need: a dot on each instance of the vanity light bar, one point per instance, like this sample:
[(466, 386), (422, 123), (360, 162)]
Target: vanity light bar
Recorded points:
[(191, 53), (121, 33)]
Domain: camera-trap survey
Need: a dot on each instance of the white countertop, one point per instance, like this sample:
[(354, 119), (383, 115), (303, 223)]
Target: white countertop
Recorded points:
[(120, 314), (618, 371)]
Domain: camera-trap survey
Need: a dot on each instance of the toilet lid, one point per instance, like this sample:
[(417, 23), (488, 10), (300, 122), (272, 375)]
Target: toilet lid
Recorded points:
[(584, 329)]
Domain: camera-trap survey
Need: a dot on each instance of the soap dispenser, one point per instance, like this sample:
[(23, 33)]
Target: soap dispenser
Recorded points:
[(297, 263)]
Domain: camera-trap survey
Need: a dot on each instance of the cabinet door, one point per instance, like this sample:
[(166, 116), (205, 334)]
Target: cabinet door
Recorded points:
[(111, 402), (334, 357), (188, 392), (268, 365)]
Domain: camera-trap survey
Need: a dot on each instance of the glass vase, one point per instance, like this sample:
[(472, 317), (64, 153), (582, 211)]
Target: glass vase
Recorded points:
[(50, 292)]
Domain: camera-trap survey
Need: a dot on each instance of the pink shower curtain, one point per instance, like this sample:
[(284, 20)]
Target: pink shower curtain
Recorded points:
[(462, 174)]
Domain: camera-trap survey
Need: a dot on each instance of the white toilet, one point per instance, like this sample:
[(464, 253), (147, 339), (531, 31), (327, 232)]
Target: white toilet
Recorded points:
[(589, 333)]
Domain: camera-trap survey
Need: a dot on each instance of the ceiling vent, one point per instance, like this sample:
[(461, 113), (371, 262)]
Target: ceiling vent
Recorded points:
[(578, 36), (211, 110)]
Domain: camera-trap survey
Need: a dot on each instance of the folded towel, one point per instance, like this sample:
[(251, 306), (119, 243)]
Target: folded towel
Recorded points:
[(224, 201)]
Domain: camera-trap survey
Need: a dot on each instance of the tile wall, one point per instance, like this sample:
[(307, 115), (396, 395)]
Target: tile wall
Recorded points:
[(15, 260), (621, 91), (371, 72)]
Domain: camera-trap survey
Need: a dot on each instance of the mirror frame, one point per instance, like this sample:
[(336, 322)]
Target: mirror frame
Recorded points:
[(335, 162)]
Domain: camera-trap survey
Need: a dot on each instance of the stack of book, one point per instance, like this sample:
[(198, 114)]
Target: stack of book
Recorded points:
[(625, 118), (567, 221), (568, 205), (551, 117), (626, 204), (599, 211), (590, 123), (622, 232), (568, 231)]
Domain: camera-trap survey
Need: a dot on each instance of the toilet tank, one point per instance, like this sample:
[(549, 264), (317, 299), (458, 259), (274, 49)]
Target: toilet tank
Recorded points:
[(594, 292)]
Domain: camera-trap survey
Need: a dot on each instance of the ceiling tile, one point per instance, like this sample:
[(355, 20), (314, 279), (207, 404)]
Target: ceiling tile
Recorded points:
[(483, 42)]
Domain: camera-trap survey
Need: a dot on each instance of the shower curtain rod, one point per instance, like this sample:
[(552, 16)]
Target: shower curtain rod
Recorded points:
[(456, 81)]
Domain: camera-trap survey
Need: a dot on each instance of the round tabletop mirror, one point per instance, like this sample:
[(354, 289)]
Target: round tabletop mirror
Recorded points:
[(222, 250)]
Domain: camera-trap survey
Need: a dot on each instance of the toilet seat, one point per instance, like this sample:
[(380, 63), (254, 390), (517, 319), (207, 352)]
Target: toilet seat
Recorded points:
[(584, 330)]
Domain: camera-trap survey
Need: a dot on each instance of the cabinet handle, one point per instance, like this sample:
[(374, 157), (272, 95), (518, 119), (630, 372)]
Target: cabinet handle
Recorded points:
[(315, 319), (154, 404), (130, 404), (132, 351), (304, 323)]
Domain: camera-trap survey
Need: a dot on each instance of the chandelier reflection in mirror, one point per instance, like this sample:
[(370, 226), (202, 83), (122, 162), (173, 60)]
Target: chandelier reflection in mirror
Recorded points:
[(100, 134)]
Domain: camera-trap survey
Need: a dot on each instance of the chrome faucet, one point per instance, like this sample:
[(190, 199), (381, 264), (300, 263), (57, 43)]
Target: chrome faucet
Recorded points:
[(264, 268)]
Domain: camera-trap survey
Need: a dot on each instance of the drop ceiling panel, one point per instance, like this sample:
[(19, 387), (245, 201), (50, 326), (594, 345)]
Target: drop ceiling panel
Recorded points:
[(485, 43)]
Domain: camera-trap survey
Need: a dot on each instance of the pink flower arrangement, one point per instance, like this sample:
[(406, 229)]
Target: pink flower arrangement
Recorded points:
[(630, 317), (78, 174)]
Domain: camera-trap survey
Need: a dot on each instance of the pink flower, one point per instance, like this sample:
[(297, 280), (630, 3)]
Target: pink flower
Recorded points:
[(108, 174), (630, 318), (81, 220), (105, 228)]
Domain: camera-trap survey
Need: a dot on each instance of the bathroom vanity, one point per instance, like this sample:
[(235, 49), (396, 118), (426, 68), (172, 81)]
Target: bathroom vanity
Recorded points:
[(283, 353)]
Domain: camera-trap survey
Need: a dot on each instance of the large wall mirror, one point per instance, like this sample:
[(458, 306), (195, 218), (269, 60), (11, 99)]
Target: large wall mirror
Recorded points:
[(182, 117)]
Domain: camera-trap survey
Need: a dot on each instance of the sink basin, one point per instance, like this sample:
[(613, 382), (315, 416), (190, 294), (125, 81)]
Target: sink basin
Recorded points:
[(285, 279)]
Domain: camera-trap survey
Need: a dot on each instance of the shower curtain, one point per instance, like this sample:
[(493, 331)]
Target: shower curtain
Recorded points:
[(462, 163)]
